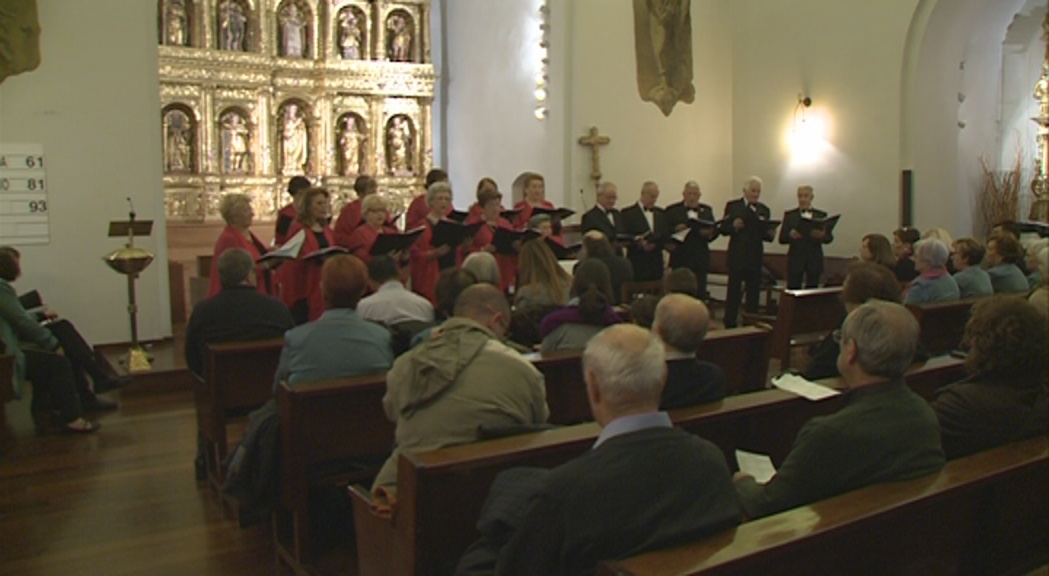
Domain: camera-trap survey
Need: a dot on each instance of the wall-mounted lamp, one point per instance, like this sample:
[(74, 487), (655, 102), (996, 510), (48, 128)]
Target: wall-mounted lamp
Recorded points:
[(541, 77), (803, 103), (806, 134)]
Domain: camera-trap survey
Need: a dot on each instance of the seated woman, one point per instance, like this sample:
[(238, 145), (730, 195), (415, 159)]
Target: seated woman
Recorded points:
[(374, 214), (587, 313), (1040, 297), (1003, 254), (1034, 277), (903, 241), (944, 236), (933, 284), (540, 279), (236, 210), (972, 279), (597, 246), (876, 248), (38, 356), (864, 281), (300, 279), (450, 283), (1004, 398), (484, 267)]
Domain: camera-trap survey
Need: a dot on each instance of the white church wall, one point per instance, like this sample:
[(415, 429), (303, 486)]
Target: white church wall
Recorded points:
[(488, 66), (848, 58), (693, 143), (93, 105)]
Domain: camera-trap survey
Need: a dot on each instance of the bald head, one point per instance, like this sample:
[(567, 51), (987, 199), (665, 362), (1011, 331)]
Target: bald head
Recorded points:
[(486, 305), (624, 367), (681, 322)]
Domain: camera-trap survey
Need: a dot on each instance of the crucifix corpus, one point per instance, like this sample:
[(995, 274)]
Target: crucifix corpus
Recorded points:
[(594, 140)]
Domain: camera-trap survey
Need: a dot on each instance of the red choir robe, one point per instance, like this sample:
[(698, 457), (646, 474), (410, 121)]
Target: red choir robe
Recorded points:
[(348, 222), (417, 212), (507, 263), (525, 214), (474, 214), (424, 271), (361, 241), (301, 279), (232, 238), (285, 222)]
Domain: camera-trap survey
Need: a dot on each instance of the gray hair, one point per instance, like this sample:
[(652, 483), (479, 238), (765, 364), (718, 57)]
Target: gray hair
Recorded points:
[(539, 219), (886, 336), (681, 321), (691, 184), (628, 364), (234, 266), (483, 266), (435, 189), (604, 186), (230, 203), (932, 251), (753, 180), (1043, 263)]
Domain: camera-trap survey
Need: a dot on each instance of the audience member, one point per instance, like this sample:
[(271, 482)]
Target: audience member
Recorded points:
[(903, 241), (643, 310), (597, 246), (1034, 277), (864, 281), (884, 433), (484, 267), (973, 281), (392, 303), (450, 284), (681, 322), (587, 313), (944, 236), (1003, 253), (681, 281), (876, 248), (442, 391), (1040, 297), (38, 356), (745, 223), (933, 284), (645, 485), (1004, 398), (340, 343), (540, 279), (238, 313)]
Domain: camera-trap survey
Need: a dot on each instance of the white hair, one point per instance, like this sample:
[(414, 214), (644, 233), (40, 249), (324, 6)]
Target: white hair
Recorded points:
[(604, 186), (628, 364), (753, 180), (932, 252), (435, 189), (483, 266)]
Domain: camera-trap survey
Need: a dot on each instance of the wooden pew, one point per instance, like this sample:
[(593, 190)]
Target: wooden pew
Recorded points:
[(631, 290), (942, 324), (985, 514), (440, 493), (7, 390), (804, 317), (238, 378), (331, 433)]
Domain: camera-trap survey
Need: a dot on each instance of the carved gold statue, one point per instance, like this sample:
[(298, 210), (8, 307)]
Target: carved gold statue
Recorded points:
[(296, 141), (293, 31), (399, 146), (350, 142), (350, 36), (235, 137), (400, 39)]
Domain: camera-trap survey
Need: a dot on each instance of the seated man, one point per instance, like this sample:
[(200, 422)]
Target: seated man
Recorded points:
[(392, 303), (643, 486), (460, 378), (681, 323), (236, 314), (884, 433), (1004, 399), (339, 343)]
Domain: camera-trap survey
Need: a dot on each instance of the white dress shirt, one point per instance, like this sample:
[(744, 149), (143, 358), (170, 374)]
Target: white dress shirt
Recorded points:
[(393, 303)]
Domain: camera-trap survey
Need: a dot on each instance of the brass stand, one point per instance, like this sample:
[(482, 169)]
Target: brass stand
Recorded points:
[(130, 261)]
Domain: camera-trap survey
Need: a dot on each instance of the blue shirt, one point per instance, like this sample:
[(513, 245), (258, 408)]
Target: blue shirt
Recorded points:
[(633, 423), (338, 344), (1007, 278), (973, 282), (935, 287)]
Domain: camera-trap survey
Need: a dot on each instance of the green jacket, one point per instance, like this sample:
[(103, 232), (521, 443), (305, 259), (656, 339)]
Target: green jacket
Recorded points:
[(17, 329)]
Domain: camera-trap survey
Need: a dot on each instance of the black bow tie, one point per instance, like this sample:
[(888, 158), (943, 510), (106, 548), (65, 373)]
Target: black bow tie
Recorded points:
[(647, 209)]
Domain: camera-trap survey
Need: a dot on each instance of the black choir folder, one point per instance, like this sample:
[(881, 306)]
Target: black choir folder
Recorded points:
[(807, 225), (695, 225), (325, 252), (451, 233), (503, 239), (553, 213), (395, 241)]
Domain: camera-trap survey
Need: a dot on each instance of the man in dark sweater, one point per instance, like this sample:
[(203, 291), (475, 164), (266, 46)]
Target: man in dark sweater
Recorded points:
[(884, 433), (237, 313), (681, 323), (645, 485)]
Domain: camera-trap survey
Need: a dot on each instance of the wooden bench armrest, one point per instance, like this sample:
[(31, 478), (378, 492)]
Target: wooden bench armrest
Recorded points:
[(381, 548)]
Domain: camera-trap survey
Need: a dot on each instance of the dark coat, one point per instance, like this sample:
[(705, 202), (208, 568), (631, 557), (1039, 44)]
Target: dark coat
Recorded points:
[(596, 219), (648, 265), (805, 254), (691, 382), (980, 413), (694, 253), (746, 246)]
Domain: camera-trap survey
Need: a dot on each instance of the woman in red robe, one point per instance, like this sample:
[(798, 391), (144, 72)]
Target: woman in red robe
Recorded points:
[(286, 215), (351, 214), (419, 209), (374, 214), (491, 203), (300, 279), (534, 195), (424, 257), (236, 210)]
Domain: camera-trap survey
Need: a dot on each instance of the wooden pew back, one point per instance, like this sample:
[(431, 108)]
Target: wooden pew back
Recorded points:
[(813, 311), (942, 324), (238, 378), (985, 514), (441, 493)]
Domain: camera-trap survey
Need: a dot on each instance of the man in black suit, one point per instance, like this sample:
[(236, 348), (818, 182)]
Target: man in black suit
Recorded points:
[(745, 223), (681, 323), (805, 255), (644, 485), (645, 224), (694, 252), (604, 216)]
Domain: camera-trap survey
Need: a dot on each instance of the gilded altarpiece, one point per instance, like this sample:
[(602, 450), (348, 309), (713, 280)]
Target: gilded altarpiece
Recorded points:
[(254, 92)]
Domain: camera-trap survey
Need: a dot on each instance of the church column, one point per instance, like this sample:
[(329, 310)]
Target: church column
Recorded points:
[(264, 138), (425, 129), (378, 128), (380, 31), (326, 136), (208, 126), (424, 35), (205, 24)]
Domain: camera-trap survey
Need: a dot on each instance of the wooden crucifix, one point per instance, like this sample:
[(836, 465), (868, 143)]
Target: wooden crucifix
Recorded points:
[(594, 140)]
